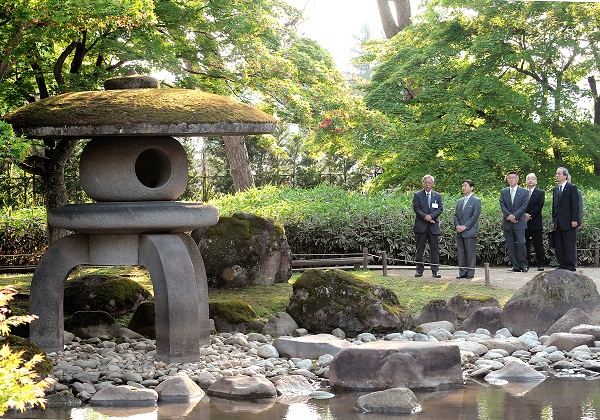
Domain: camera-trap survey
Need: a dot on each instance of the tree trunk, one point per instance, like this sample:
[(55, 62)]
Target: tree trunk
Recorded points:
[(239, 163), (54, 181), (390, 26), (596, 97)]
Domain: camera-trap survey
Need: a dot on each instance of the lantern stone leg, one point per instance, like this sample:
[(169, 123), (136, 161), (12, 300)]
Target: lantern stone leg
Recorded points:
[(48, 287), (180, 325)]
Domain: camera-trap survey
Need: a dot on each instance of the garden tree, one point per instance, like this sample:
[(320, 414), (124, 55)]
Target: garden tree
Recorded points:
[(499, 91), (248, 49), (363, 69)]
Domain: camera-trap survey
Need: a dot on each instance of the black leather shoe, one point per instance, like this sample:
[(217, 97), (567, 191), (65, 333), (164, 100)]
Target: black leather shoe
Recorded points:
[(418, 274), (461, 277), (525, 270), (469, 277), (437, 275), (516, 270), (540, 268)]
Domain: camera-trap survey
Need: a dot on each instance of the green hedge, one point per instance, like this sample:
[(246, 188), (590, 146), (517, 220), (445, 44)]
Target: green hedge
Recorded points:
[(329, 220), (23, 235)]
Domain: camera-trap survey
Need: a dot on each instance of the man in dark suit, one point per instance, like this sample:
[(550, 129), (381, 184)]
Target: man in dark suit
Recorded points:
[(566, 220), (533, 214), (427, 205), (513, 203), (466, 223)]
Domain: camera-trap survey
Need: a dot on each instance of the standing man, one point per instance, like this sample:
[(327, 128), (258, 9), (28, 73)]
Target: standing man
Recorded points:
[(565, 219), (513, 203), (466, 223), (427, 205), (533, 215)]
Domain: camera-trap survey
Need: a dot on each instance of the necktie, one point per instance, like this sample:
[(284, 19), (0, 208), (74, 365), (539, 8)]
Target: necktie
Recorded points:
[(465, 202), (530, 192), (512, 195), (428, 199), (560, 189)]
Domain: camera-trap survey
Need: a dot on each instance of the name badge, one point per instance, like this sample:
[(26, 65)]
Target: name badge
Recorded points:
[(434, 205)]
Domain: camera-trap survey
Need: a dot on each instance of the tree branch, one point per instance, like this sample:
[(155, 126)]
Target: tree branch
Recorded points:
[(60, 80)]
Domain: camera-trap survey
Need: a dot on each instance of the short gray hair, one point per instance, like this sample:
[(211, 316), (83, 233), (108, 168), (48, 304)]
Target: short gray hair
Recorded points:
[(428, 176), (565, 171)]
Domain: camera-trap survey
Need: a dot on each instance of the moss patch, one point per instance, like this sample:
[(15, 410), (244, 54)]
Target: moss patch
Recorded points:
[(29, 349), (134, 106), (233, 311)]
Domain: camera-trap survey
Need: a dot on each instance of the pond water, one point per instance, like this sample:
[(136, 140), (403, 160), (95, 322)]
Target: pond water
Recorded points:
[(553, 399)]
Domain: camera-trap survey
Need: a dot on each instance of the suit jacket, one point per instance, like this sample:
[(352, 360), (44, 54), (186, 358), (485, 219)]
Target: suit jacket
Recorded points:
[(421, 210), (534, 209), (469, 216), (516, 208), (565, 207)]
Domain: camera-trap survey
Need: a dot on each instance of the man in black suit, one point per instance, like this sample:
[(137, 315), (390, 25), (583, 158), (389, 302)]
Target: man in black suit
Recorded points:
[(533, 214), (513, 203), (466, 223), (427, 205), (565, 220)]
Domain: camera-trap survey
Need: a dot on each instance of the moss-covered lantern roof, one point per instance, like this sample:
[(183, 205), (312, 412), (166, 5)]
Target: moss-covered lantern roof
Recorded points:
[(174, 112)]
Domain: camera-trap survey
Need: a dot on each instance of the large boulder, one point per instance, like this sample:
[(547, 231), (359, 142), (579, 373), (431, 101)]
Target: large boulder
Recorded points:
[(88, 324), (464, 304), (115, 295), (143, 320), (323, 300), (386, 364), (436, 310), (546, 298), (244, 249)]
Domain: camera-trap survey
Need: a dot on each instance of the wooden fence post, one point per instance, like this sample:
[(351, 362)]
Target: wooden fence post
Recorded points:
[(597, 255), (365, 258), (384, 263), (486, 269)]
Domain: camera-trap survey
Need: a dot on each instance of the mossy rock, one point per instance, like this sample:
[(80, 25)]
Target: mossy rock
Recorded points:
[(465, 304), (546, 298), (29, 349), (323, 300), (88, 324), (231, 315), (143, 320), (113, 294), (436, 310), (244, 250)]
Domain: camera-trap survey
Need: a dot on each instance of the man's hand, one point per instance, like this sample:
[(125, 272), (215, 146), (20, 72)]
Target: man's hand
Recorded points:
[(527, 217), (512, 219), (574, 223)]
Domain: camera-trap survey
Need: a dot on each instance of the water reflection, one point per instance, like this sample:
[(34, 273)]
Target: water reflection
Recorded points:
[(553, 399)]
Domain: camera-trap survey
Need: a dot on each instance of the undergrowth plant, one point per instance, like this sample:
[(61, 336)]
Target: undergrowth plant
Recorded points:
[(19, 386)]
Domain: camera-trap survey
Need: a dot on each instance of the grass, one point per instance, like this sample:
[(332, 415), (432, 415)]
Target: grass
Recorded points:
[(270, 299)]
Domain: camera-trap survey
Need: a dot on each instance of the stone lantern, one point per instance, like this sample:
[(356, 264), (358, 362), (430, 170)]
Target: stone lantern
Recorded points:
[(134, 169)]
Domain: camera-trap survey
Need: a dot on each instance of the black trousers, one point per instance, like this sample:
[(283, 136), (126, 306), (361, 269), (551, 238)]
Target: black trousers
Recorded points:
[(535, 237), (433, 240), (565, 247)]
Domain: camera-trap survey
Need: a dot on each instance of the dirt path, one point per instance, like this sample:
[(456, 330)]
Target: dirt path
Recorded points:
[(500, 277)]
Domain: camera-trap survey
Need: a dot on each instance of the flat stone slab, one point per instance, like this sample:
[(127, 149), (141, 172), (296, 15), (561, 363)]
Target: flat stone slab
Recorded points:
[(125, 396), (310, 346), (133, 217), (568, 341), (383, 365), (242, 387)]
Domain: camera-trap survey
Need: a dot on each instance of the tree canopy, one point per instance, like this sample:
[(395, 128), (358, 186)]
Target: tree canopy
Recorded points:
[(499, 88)]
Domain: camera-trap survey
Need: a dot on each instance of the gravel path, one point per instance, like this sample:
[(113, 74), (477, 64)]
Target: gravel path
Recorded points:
[(500, 277)]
